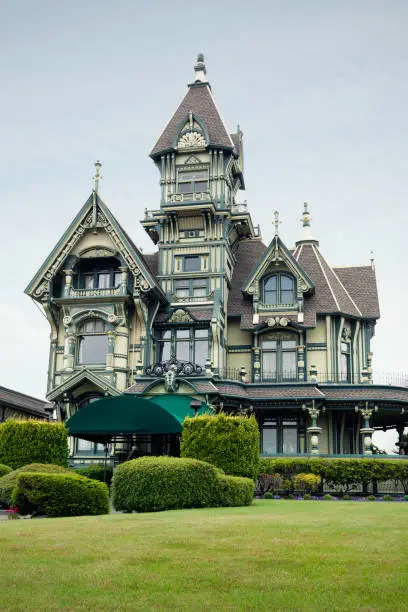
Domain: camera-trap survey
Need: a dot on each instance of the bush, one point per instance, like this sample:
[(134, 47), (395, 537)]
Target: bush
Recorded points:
[(228, 442), (149, 484), (328, 497), (306, 482), (60, 495), (388, 498), (270, 482), (24, 442), (9, 481), (287, 467), (5, 469), (235, 490), (269, 495), (371, 498), (307, 496), (346, 497), (96, 472)]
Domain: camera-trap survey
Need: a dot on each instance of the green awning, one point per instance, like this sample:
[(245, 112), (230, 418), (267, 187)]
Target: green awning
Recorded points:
[(122, 415)]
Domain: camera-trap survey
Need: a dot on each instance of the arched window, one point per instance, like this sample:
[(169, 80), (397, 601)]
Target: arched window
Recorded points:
[(279, 289), (92, 342), (279, 357)]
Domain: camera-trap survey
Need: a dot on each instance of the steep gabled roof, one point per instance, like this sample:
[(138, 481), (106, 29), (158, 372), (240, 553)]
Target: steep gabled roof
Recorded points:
[(94, 211), (199, 101), (248, 255)]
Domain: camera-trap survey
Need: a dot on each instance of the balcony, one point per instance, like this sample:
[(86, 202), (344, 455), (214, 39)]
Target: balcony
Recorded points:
[(70, 292), (192, 299)]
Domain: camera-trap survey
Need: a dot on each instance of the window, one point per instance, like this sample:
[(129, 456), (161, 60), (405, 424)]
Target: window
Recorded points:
[(279, 289), (192, 181), (100, 273), (280, 435), (93, 342), (191, 263), (86, 446), (345, 362), (194, 287), (279, 358), (187, 344)]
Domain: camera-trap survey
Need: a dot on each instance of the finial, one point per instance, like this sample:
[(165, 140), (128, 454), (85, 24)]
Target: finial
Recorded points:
[(306, 216), (200, 69), (97, 176), (306, 235), (372, 260), (276, 222)]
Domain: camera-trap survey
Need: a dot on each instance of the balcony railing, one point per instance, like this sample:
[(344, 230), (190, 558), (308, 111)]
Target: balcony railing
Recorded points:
[(97, 292), (187, 299), (336, 378)]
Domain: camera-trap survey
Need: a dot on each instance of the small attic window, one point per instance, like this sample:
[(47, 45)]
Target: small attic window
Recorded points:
[(279, 289), (192, 181)]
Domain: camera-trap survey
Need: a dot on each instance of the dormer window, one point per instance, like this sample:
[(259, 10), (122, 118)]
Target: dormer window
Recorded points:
[(192, 181), (100, 273), (279, 289)]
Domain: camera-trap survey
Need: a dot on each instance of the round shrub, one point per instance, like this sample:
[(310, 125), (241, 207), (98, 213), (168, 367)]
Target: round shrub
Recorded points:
[(149, 484), (235, 490), (307, 496), (371, 498), (269, 495), (60, 495), (388, 498), (269, 482), (228, 442), (9, 481), (4, 469), (306, 482), (24, 442), (346, 497), (328, 497), (96, 472)]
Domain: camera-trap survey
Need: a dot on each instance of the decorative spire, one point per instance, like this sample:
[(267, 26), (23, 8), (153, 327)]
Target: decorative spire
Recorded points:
[(276, 222), (306, 235), (372, 260), (97, 176), (200, 69)]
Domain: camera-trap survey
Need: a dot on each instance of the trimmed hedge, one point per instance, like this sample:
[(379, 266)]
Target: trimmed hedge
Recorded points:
[(150, 484), (235, 490), (340, 474), (9, 481), (231, 443), (60, 495), (5, 469), (96, 472), (24, 442)]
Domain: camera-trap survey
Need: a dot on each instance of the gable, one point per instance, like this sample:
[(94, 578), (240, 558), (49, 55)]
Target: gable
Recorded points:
[(276, 257), (94, 216)]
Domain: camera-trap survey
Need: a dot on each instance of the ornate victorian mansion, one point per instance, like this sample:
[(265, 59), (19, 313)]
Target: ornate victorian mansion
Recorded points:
[(214, 319)]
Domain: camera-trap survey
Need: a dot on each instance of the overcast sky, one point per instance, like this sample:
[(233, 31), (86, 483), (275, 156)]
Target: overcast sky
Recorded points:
[(319, 89)]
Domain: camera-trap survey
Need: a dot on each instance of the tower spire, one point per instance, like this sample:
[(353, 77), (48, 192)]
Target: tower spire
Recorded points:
[(306, 235), (200, 69)]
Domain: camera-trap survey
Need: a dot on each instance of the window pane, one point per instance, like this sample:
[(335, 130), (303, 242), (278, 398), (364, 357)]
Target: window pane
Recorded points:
[(268, 365), (201, 352), (99, 325), (201, 333), (289, 440), (344, 347), (286, 283), (287, 297), (164, 350), (289, 365), (104, 280), (166, 335), (185, 188), (182, 333), (269, 344), (344, 367), (84, 445), (270, 297), (181, 283), (192, 264), (269, 441), (182, 292), (270, 284), (183, 351), (89, 281), (199, 291), (288, 344), (200, 186), (117, 278), (93, 349), (199, 282)]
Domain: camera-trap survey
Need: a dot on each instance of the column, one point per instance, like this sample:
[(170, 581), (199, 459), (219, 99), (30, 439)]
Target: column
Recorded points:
[(367, 431), (314, 430), (111, 350), (68, 282)]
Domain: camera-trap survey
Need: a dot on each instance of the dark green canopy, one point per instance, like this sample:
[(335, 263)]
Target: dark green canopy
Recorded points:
[(115, 417)]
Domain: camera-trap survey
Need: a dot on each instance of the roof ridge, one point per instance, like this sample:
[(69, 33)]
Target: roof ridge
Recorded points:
[(325, 275), (43, 401)]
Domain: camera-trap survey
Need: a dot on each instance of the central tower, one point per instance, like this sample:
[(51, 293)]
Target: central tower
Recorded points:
[(199, 221)]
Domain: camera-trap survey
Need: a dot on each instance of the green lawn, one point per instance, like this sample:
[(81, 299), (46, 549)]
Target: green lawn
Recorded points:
[(274, 555)]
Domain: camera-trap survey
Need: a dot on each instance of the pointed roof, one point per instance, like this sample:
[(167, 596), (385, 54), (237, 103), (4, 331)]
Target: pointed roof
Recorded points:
[(200, 102), (94, 213), (277, 251)]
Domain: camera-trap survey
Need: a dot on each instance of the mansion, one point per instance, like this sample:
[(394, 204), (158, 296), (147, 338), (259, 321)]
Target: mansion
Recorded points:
[(214, 319)]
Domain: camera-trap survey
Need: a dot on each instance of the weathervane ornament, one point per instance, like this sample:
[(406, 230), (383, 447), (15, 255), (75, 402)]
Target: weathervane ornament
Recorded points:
[(276, 222)]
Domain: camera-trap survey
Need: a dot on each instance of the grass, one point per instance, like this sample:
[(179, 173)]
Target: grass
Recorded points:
[(274, 555)]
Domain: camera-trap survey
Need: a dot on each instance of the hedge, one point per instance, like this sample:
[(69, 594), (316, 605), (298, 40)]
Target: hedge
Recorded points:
[(231, 443), (24, 442), (235, 490), (340, 474), (5, 469), (96, 472), (60, 495), (9, 481)]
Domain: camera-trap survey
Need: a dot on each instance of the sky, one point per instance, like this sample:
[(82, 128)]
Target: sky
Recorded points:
[(319, 89)]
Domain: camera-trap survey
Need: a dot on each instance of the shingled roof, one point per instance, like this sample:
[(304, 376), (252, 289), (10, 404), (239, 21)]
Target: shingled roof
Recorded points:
[(361, 284), (248, 255), (24, 403), (200, 102)]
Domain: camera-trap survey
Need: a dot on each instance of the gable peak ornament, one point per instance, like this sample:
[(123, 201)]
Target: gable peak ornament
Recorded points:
[(97, 176)]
